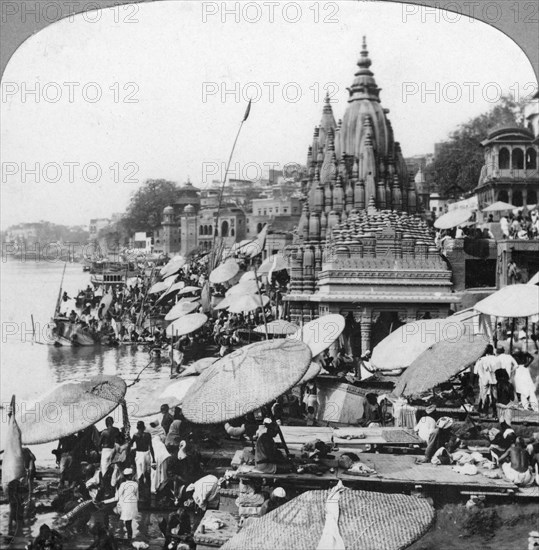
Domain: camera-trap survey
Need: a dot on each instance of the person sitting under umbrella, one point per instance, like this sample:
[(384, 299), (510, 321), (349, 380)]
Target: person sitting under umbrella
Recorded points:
[(442, 441), (268, 459), (516, 463), (426, 424)]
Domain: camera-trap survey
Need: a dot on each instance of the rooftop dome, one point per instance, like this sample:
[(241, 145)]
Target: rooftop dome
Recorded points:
[(189, 209), (168, 210)]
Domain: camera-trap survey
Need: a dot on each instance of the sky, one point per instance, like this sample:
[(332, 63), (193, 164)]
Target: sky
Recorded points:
[(95, 104)]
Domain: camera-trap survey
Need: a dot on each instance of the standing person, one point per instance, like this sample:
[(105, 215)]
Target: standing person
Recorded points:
[(127, 499), (507, 362), (485, 369), (64, 458), (144, 453), (524, 384), (166, 417), (107, 442), (506, 396)]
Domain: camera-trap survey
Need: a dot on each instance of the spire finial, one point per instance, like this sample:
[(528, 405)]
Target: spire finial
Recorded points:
[(364, 60)]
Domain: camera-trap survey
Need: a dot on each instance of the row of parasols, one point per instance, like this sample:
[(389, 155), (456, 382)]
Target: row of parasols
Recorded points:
[(242, 297)]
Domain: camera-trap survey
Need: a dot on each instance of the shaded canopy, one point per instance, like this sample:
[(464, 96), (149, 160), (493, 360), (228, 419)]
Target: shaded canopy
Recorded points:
[(246, 303), (161, 286), (225, 272), (276, 262), (453, 218), (247, 287), (246, 380), (181, 309), (70, 407), (400, 348), (511, 301), (366, 520), (186, 324), (320, 333), (439, 363), (499, 206)]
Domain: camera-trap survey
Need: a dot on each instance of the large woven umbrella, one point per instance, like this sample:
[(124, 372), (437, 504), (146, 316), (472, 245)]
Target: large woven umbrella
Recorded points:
[(246, 380), (173, 266), (499, 206), (178, 390), (69, 408), (159, 287), (198, 367), (276, 262), (176, 287), (186, 324), (225, 272), (320, 333), (312, 372), (181, 309), (279, 327), (366, 520), (399, 349), (247, 302), (439, 363), (511, 301), (225, 303), (249, 276), (453, 218), (249, 287)]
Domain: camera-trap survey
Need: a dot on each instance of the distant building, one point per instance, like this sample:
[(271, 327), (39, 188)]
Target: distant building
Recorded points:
[(96, 225), (142, 242), (531, 114), (437, 204), (510, 171)]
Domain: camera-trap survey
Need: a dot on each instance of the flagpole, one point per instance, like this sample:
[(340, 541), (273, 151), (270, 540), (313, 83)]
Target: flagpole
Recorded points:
[(226, 174), (262, 304)]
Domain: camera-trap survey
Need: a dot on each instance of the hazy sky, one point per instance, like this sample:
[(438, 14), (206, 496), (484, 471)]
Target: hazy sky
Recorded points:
[(135, 92)]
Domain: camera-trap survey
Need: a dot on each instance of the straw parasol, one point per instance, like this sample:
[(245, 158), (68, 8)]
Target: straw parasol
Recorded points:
[(144, 398), (178, 390), (226, 271), (161, 286), (186, 324), (499, 206), (249, 287), (399, 349), (439, 363), (173, 266), (198, 367), (181, 309), (249, 276), (511, 301), (247, 302), (245, 380), (280, 327), (365, 519), (189, 290), (175, 288), (453, 218), (224, 303), (534, 280), (276, 262), (320, 333), (312, 372), (69, 408)]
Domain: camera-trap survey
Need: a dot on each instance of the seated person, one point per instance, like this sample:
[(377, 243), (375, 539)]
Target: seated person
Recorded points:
[(235, 429), (276, 499), (268, 459), (499, 443), (48, 539), (516, 463), (372, 414), (103, 540), (442, 438), (176, 528)]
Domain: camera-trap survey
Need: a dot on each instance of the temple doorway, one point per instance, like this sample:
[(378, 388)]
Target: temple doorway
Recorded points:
[(387, 322)]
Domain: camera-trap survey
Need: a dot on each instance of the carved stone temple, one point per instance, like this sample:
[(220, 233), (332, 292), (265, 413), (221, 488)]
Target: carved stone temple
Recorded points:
[(362, 250)]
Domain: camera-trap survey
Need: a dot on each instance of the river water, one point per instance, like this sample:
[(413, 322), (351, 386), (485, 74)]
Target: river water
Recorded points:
[(29, 369)]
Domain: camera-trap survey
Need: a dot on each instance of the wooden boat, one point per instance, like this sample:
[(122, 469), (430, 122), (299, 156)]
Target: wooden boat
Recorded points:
[(112, 273)]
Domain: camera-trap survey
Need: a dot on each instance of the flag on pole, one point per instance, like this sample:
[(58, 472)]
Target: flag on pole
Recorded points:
[(273, 266), (255, 247), (247, 111)]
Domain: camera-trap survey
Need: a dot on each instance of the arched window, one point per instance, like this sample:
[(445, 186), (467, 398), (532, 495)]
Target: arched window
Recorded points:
[(232, 232), (517, 198), (517, 159), (503, 196), (201, 230), (532, 197), (206, 230), (224, 229), (531, 159), (210, 230), (503, 159)]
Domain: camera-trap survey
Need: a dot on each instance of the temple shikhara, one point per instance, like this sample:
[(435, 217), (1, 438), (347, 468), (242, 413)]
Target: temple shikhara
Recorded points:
[(362, 250)]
